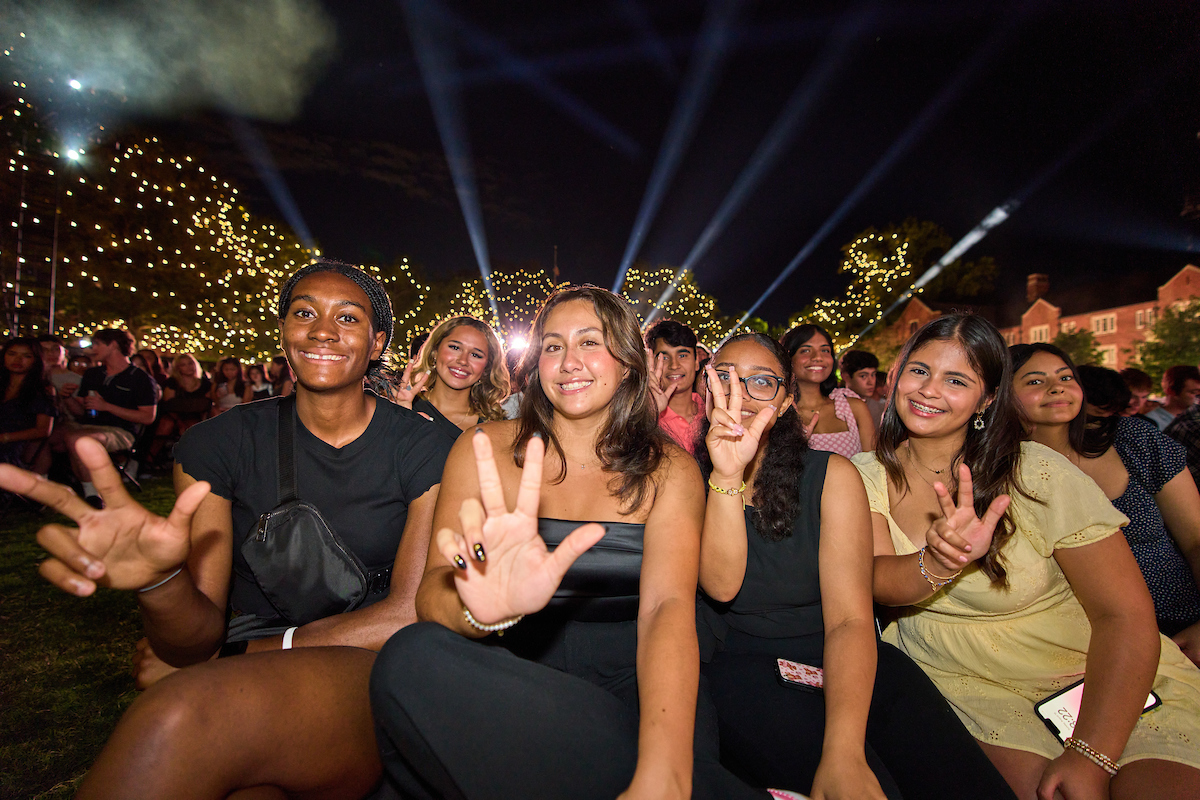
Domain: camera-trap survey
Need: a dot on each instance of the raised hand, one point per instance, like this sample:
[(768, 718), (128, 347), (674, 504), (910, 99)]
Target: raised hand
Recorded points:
[(731, 445), (409, 388), (960, 536), (123, 546), (661, 394), (812, 424), (503, 567)]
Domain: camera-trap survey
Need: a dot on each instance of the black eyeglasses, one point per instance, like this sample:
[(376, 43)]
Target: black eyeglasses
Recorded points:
[(759, 387)]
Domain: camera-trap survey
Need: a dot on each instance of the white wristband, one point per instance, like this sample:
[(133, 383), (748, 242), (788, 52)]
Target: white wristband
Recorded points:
[(287, 637)]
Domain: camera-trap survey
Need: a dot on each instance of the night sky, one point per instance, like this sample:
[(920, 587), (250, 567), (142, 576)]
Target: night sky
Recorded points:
[(567, 104)]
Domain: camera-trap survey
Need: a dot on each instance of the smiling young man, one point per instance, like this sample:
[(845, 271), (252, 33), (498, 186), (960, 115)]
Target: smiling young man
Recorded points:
[(680, 410)]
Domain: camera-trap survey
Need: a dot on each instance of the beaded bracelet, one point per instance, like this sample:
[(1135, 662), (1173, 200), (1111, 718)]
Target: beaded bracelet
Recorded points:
[(740, 491), (934, 581), (497, 628), (1091, 754)]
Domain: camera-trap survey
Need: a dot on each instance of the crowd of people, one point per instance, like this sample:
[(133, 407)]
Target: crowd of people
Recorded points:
[(618, 564)]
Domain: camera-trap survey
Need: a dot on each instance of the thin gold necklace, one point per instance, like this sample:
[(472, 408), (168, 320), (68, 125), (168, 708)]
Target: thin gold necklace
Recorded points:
[(913, 457)]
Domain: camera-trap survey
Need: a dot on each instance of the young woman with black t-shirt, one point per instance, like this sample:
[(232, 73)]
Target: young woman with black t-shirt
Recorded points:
[(297, 720)]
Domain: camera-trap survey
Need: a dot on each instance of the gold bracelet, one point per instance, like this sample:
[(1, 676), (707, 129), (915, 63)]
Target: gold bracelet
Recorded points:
[(935, 582), (738, 492), (1091, 754)]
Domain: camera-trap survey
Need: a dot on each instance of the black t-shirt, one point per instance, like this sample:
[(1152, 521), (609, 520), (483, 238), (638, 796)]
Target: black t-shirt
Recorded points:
[(131, 388), (363, 489), (17, 416)]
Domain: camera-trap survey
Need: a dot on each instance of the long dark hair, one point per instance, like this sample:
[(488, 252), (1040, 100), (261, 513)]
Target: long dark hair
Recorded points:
[(1104, 389), (32, 383), (238, 381), (994, 453), (800, 334), (1021, 353), (630, 445), (776, 498)]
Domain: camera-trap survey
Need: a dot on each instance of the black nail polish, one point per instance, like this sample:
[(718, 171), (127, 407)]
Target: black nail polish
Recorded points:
[(459, 561), (478, 429), (537, 434), (480, 556)]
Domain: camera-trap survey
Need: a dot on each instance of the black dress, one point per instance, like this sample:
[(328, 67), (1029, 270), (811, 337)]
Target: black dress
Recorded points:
[(771, 734), (423, 406), (549, 710)]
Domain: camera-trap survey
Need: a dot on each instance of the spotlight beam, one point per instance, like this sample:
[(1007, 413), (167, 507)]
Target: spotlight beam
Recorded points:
[(436, 62), (713, 44), (1002, 212), (268, 172), (523, 71), (789, 122), (915, 131)]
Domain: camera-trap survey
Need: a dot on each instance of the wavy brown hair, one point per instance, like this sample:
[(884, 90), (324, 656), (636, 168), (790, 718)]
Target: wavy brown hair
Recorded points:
[(630, 445), (491, 389), (994, 453)]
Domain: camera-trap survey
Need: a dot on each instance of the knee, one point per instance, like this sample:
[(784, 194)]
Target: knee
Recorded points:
[(172, 716), (413, 658)]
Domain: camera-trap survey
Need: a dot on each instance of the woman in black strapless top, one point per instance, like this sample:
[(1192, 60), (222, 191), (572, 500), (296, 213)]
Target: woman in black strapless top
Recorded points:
[(592, 691), (786, 567)]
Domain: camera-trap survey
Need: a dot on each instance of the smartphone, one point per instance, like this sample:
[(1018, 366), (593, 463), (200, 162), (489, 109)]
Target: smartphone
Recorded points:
[(1060, 710), (800, 676)]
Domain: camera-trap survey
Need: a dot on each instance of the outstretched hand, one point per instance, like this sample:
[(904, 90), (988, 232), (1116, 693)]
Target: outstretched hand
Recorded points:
[(502, 566), (123, 546), (409, 389), (731, 445), (960, 536)]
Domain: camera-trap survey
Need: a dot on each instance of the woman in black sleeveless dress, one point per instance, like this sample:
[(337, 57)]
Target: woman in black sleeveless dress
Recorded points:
[(592, 691), (786, 566)]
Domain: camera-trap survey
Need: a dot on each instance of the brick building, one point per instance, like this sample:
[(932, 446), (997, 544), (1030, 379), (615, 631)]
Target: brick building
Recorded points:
[(1116, 329), (1045, 314)]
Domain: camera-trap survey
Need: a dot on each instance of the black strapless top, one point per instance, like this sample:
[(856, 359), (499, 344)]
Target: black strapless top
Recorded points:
[(603, 583)]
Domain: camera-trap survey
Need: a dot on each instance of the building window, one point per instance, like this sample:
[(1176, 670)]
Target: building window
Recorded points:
[(1039, 333), (912, 327), (1105, 323), (1108, 356), (1068, 327), (1010, 338), (1139, 319), (1149, 317)]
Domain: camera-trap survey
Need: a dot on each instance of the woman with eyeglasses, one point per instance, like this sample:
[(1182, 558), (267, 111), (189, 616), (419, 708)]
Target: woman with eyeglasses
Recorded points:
[(786, 567)]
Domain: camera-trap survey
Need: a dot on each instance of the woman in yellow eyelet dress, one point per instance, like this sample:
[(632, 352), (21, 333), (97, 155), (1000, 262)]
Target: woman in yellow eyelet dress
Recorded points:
[(996, 651)]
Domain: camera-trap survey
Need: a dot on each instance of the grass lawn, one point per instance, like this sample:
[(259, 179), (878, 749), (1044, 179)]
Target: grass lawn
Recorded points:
[(64, 663)]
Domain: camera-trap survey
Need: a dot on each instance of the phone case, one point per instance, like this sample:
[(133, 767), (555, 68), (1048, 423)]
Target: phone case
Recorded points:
[(801, 676), (1060, 710)]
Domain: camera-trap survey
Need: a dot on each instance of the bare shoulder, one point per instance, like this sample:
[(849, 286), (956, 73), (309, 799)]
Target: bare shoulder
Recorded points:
[(842, 478), (678, 465)]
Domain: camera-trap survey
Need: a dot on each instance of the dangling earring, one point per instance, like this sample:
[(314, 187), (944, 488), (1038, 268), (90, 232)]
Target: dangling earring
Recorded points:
[(978, 421)]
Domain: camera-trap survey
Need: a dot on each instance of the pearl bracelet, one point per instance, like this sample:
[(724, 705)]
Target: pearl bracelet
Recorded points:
[(1091, 754), (497, 628), (935, 582)]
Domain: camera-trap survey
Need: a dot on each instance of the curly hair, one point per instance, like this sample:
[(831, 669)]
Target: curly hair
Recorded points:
[(993, 453), (776, 498), (630, 445), (793, 339), (492, 388)]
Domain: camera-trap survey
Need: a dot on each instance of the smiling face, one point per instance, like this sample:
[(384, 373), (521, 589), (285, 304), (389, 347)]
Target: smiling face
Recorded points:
[(680, 364), (938, 391), (576, 370), (462, 357), (753, 361), (326, 333), (1047, 390), (19, 358), (813, 360)]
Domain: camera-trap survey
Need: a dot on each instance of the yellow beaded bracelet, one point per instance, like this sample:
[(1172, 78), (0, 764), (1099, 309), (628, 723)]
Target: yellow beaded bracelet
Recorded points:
[(740, 491)]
